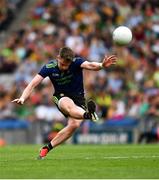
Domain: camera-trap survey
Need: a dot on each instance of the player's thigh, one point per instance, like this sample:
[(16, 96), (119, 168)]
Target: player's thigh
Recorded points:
[(65, 104)]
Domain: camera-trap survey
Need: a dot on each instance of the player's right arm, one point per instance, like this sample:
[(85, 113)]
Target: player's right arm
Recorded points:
[(27, 91)]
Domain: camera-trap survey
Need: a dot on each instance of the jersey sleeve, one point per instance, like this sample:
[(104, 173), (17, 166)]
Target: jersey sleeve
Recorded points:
[(44, 71), (78, 61)]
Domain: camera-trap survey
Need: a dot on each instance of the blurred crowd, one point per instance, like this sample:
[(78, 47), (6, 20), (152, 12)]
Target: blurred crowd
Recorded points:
[(8, 10), (131, 88)]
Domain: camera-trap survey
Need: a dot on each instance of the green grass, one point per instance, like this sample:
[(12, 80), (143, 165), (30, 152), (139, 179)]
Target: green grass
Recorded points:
[(78, 162)]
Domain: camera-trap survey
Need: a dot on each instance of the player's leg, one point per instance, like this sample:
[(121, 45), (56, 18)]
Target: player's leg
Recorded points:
[(66, 132), (76, 114), (68, 106), (62, 136)]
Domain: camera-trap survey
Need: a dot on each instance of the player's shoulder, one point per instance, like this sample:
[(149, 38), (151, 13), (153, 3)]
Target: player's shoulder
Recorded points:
[(51, 64), (77, 61), (78, 58)]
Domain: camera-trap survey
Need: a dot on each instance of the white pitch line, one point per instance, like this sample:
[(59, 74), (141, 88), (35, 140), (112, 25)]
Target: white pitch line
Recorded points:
[(127, 157)]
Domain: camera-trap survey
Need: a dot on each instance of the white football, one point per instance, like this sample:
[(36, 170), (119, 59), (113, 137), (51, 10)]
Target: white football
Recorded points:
[(122, 35)]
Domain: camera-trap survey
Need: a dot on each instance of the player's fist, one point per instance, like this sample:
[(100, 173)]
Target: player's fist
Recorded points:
[(19, 101)]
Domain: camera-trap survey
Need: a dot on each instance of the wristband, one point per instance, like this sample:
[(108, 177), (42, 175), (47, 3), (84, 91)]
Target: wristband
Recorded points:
[(22, 99), (101, 65)]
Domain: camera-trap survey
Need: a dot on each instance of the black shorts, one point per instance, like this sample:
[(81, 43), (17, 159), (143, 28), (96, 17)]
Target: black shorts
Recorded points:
[(79, 100)]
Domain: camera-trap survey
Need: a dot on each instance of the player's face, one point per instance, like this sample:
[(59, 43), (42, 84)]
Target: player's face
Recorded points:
[(63, 64)]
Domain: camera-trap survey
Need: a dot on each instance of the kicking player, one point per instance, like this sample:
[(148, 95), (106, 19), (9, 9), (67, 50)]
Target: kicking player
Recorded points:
[(66, 75)]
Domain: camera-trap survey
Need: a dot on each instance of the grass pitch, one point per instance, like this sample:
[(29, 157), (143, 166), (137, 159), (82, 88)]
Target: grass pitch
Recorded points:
[(78, 162)]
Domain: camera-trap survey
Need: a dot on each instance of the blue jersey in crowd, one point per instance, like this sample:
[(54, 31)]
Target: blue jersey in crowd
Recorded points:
[(65, 82)]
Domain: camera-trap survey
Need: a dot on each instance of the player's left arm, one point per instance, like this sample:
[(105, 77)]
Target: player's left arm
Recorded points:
[(95, 66)]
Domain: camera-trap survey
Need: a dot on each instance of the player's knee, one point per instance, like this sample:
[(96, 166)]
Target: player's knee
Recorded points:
[(66, 109), (74, 125)]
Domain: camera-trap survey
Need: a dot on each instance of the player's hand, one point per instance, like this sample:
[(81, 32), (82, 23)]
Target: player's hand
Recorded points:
[(19, 101), (109, 60)]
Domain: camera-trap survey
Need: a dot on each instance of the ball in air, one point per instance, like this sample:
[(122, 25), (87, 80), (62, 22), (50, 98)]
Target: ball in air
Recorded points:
[(122, 35)]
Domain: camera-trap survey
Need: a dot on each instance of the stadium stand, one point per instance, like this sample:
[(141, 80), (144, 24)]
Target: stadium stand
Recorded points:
[(8, 12)]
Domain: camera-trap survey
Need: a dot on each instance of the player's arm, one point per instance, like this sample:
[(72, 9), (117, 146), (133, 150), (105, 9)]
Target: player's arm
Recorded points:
[(27, 91), (107, 61)]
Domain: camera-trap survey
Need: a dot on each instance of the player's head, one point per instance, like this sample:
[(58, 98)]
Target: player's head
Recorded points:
[(65, 58)]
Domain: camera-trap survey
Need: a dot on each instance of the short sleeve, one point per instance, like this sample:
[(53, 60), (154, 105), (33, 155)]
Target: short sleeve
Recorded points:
[(78, 61), (44, 72)]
